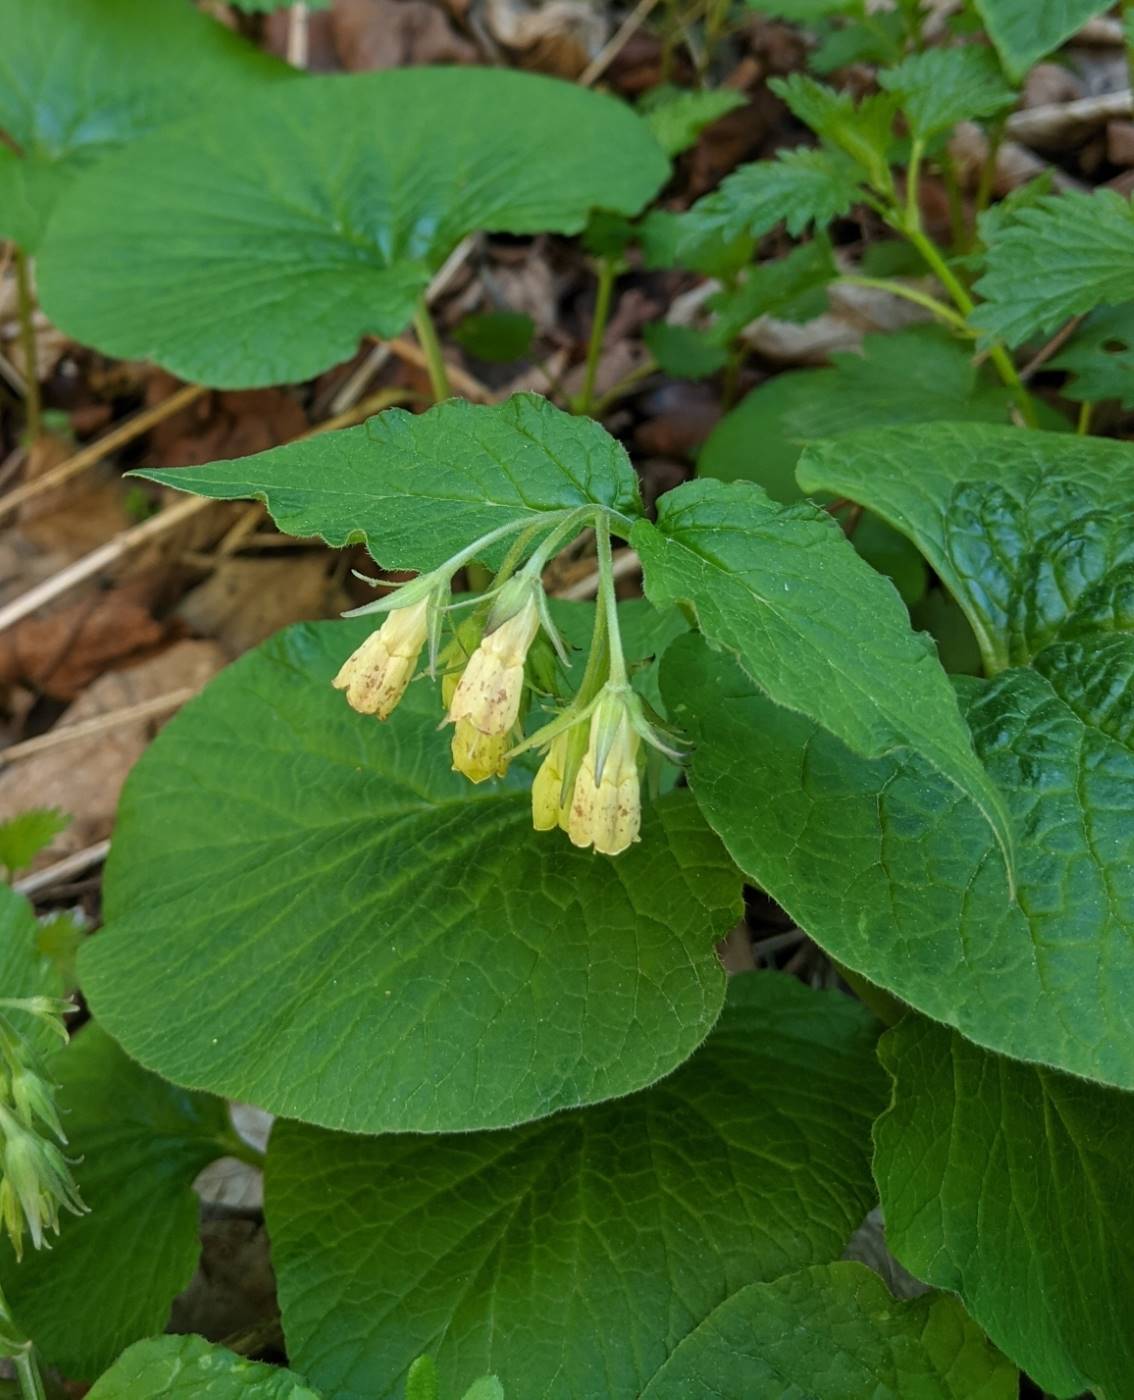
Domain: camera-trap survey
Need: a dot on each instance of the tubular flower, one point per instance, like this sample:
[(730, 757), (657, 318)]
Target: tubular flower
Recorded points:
[(488, 694), (478, 756), (376, 675), (548, 810), (606, 804)]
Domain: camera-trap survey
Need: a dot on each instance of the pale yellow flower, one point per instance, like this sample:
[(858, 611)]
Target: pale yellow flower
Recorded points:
[(606, 802), (488, 694), (479, 756), (376, 675), (548, 808)]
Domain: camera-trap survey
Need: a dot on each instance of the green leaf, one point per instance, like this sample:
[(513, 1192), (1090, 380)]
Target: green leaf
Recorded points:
[(188, 1368), (487, 1388), (81, 78), (1059, 257), (23, 837), (793, 288), (684, 352), (833, 1332), (1010, 1185), (898, 878), (863, 130), (437, 965), (571, 1256), (24, 971), (909, 376), (111, 1276), (237, 254), (496, 335), (1024, 31), (781, 589), (941, 87), (418, 487), (1023, 527), (677, 118), (1100, 356)]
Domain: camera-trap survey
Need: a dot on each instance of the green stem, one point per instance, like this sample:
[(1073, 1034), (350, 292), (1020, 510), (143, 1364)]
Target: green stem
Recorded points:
[(431, 345), (1083, 427), (610, 600), (33, 421), (598, 330), (22, 1356), (899, 289)]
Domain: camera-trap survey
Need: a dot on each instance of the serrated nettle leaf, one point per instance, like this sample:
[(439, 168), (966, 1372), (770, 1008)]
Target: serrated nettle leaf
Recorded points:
[(81, 78), (570, 1257), (418, 487), (863, 131), (139, 1143), (834, 1332), (793, 288), (782, 590), (1027, 30), (186, 1368), (879, 40), (1062, 256), (941, 87), (683, 351), (24, 971), (899, 878), (1100, 358), (1010, 1185), (678, 117), (23, 837), (350, 856), (240, 255), (1023, 527)]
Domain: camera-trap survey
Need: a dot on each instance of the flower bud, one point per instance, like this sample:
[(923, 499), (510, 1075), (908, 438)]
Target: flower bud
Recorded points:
[(35, 1180), (375, 676), (488, 693), (606, 804), (478, 756)]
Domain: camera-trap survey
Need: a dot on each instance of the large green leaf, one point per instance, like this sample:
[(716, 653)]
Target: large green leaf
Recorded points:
[(112, 1275), (188, 1368), (1058, 257), (833, 1332), (260, 251), (1024, 528), (81, 78), (898, 877), (570, 1257), (418, 487), (436, 964), (1011, 1186), (1027, 30), (781, 589)]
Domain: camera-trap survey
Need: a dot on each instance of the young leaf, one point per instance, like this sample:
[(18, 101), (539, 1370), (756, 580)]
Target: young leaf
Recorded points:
[(23, 837), (863, 131), (834, 1331), (187, 1368), (901, 881), (496, 335), (572, 1256), (1025, 31), (111, 1276), (684, 352), (793, 288), (1010, 1185), (1022, 527), (350, 856), (417, 487), (941, 87), (677, 118), (81, 78), (238, 254), (1057, 258), (781, 589), (1100, 357)]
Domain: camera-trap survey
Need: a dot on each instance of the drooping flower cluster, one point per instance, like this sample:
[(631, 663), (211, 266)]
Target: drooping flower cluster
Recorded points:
[(588, 784), (35, 1177)]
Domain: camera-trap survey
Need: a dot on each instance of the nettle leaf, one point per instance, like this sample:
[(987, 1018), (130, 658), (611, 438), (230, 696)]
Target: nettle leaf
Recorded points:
[(112, 1275), (834, 1331), (1025, 31), (23, 837), (1062, 256), (24, 971), (782, 590), (898, 877), (81, 78), (863, 130), (186, 1368), (941, 87), (240, 254), (1010, 1185), (418, 487), (683, 351), (1024, 528), (793, 288), (437, 965), (570, 1257), (678, 117), (1100, 357)]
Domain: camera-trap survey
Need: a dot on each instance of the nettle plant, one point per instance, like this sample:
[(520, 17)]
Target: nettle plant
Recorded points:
[(441, 884)]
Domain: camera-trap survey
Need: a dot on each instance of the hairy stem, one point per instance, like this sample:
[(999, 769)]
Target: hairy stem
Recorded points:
[(598, 331), (431, 345), (34, 424)]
